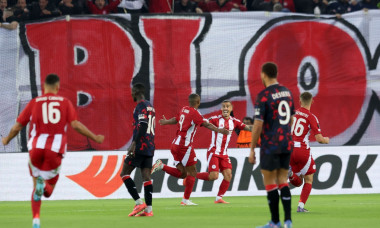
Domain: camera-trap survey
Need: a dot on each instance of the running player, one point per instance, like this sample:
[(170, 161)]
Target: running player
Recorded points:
[(273, 115), (217, 156), (49, 116), (141, 151), (187, 121), (302, 165)]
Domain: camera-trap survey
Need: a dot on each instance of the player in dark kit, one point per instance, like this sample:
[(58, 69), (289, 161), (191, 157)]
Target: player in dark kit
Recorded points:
[(274, 109), (141, 151)]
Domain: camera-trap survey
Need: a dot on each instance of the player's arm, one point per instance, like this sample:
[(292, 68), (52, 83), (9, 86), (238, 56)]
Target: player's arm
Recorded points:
[(83, 130), (165, 121), (248, 128), (256, 132), (16, 128), (143, 127), (213, 128), (321, 139)]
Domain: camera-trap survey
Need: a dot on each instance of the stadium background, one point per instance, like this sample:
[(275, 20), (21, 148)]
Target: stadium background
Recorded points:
[(216, 55)]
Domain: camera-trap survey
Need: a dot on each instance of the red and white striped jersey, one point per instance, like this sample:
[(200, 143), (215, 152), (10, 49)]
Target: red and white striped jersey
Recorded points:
[(219, 142), (188, 120), (303, 123), (48, 115)]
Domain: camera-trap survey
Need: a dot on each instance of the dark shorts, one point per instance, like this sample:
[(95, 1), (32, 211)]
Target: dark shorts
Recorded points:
[(271, 162), (140, 161)]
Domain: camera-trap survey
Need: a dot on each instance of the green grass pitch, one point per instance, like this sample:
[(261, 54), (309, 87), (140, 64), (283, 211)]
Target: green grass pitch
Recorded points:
[(325, 211)]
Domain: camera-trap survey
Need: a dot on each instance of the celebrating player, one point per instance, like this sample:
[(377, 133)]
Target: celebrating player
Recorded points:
[(182, 149), (301, 162), (217, 156), (49, 116), (141, 151), (273, 115)]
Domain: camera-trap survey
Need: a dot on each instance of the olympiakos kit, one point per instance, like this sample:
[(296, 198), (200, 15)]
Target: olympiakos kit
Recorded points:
[(301, 160), (274, 105), (217, 156), (49, 116), (188, 120)]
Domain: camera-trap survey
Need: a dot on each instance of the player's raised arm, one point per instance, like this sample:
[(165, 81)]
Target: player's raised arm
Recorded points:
[(321, 139), (165, 121), (213, 128), (83, 130), (16, 128)]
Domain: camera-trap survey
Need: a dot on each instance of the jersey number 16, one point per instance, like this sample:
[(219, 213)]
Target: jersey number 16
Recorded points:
[(50, 113)]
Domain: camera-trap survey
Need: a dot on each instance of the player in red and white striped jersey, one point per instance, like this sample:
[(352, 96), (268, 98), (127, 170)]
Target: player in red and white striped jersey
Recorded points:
[(48, 116), (217, 156), (187, 120), (301, 162)]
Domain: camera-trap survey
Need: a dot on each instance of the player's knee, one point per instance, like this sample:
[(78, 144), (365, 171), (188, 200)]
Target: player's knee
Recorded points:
[(213, 176), (228, 177), (183, 175)]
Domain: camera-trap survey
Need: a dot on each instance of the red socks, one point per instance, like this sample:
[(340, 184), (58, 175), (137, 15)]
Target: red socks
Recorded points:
[(48, 190), (305, 192), (36, 206), (190, 181), (223, 188), (172, 171), (203, 176), (295, 180)]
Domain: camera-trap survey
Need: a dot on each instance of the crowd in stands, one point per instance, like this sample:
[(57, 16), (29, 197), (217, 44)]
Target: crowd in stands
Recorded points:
[(25, 10)]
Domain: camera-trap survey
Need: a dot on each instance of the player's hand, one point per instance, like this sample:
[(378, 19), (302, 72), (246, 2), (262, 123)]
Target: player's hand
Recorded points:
[(99, 139), (163, 120), (131, 149), (223, 131), (327, 140), (252, 157), (4, 141)]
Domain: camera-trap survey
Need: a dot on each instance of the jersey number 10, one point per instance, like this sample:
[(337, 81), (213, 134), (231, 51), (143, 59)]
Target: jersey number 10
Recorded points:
[(51, 114)]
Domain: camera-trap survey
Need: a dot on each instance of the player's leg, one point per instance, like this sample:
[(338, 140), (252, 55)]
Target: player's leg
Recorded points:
[(148, 188), (212, 174), (286, 197), (128, 166), (269, 166), (189, 185), (179, 170), (189, 160), (43, 165), (306, 189), (307, 172), (270, 183), (226, 168), (296, 160)]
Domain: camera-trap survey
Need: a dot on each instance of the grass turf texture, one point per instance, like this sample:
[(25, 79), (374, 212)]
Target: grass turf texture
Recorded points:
[(325, 211)]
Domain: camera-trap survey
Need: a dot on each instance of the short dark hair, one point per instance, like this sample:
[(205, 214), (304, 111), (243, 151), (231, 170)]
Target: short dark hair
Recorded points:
[(248, 118), (226, 101), (193, 97), (51, 79), (306, 97), (139, 88), (269, 69)]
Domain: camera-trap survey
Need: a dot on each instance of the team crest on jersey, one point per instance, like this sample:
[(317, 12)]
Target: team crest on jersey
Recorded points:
[(213, 166)]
